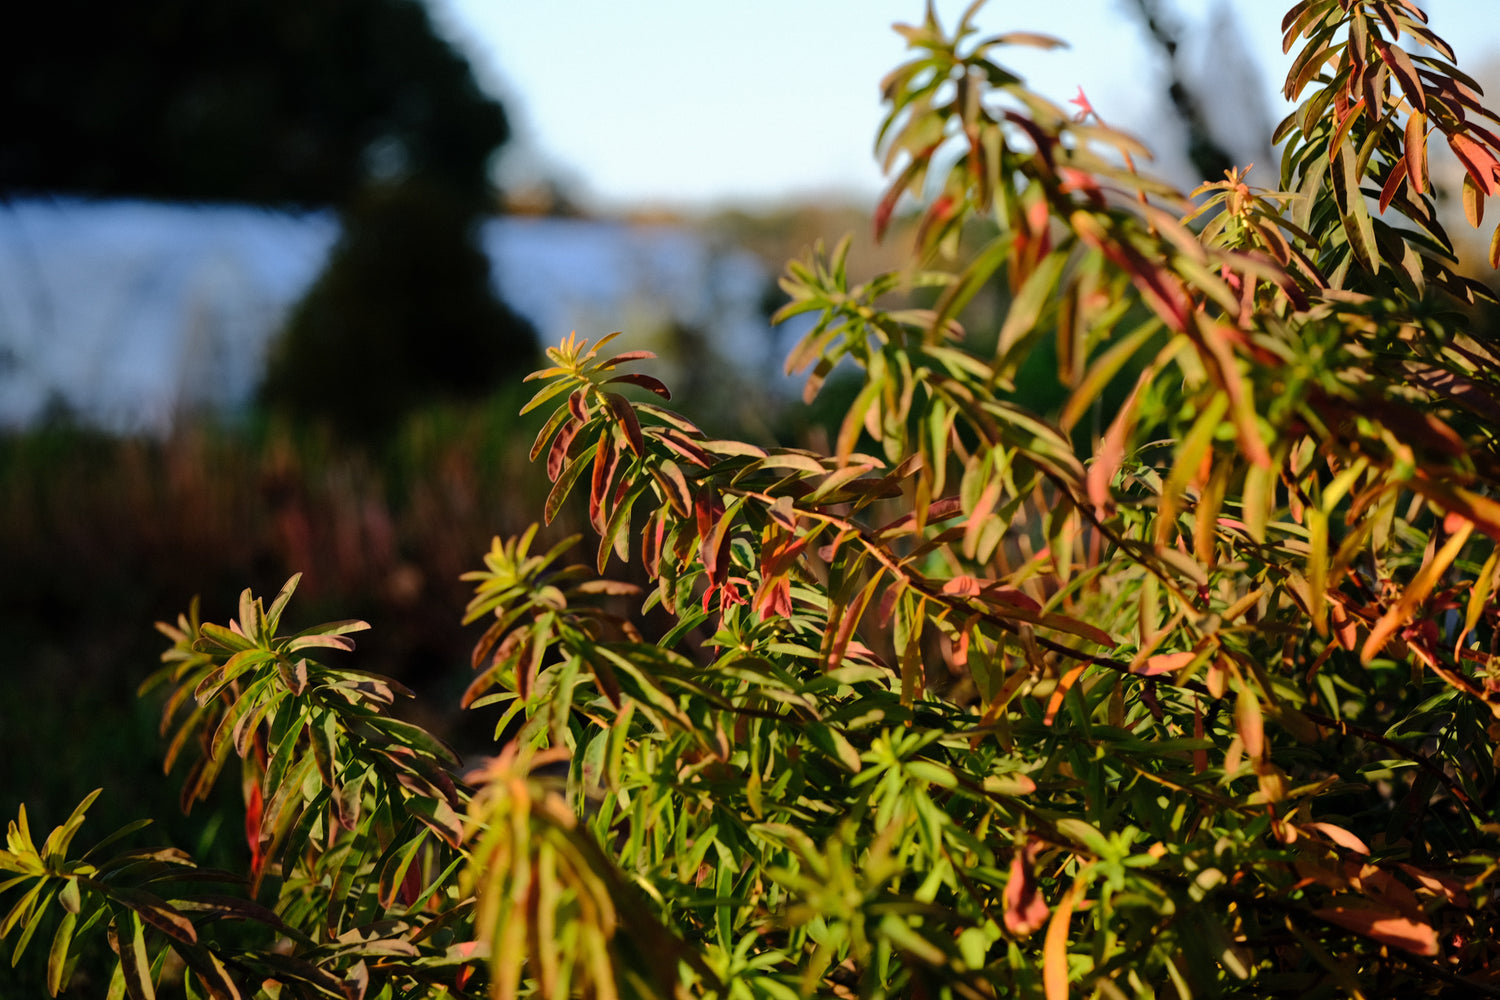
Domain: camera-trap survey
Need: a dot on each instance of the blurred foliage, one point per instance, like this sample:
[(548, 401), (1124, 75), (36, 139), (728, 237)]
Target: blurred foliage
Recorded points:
[(776, 235), (409, 293), (286, 102), (101, 534)]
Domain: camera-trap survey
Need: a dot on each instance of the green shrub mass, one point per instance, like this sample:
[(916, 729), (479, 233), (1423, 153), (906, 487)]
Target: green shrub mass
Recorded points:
[(1190, 694)]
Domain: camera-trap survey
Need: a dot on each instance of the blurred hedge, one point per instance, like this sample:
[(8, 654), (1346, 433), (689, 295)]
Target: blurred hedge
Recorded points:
[(103, 536)]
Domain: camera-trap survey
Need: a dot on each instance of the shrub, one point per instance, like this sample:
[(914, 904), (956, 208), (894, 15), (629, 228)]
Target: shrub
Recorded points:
[(1205, 707)]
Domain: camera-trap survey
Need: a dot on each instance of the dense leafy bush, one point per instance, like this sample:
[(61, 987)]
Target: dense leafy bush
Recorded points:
[(983, 703)]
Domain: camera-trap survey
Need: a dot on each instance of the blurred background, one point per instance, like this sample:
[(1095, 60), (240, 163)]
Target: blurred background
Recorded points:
[(271, 272)]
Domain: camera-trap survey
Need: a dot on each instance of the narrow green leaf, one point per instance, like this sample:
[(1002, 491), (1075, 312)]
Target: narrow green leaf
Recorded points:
[(32, 924), (1317, 567), (1186, 464), (1259, 496), (1479, 594), (414, 737), (1026, 308), (217, 635), (57, 957), (547, 392), (397, 861), (855, 419), (135, 964), (56, 847), (616, 535), (1103, 370), (974, 277), (23, 908), (283, 597), (1354, 213), (833, 743), (564, 485), (123, 831)]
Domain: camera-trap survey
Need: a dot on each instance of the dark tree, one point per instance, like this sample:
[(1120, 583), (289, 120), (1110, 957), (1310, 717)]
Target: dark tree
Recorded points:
[(401, 316), (268, 101)]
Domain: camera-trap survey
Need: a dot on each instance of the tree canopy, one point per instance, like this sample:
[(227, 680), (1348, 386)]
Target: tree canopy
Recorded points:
[(267, 101)]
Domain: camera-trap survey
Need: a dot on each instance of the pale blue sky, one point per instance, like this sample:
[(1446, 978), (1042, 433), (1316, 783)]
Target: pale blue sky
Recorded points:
[(700, 102)]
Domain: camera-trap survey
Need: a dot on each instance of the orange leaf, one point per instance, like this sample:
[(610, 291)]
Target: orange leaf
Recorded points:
[(1250, 723), (557, 455), (1478, 161), (625, 414), (1025, 909), (1218, 341), (962, 584), (1061, 692), (979, 517), (1401, 66), (1008, 597), (1416, 151), (1342, 837), (899, 187), (1345, 628), (1473, 202), (1391, 186), (1385, 926), (606, 461), (1055, 950), (1450, 888), (1166, 663), (1216, 678)]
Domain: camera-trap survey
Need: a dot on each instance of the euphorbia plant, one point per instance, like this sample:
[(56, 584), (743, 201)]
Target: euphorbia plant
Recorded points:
[(1195, 696)]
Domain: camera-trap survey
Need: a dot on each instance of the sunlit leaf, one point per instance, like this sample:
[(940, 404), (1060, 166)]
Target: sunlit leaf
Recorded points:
[(1384, 926)]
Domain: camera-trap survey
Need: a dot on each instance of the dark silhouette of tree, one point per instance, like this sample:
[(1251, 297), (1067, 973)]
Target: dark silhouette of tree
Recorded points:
[(401, 316), (267, 101)]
